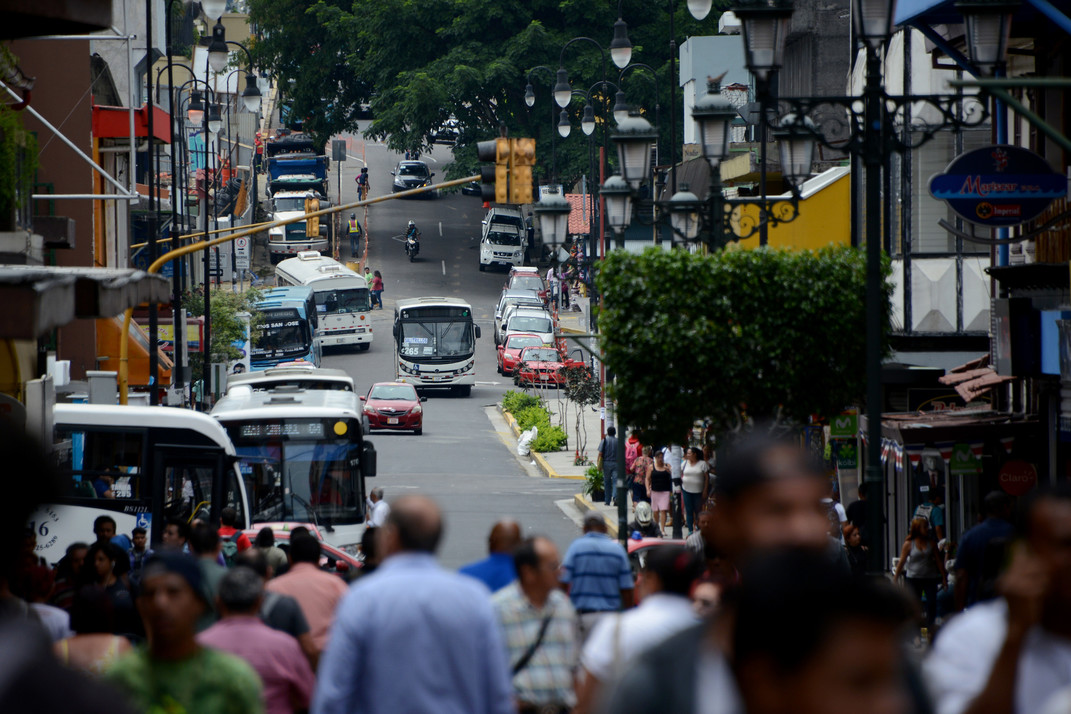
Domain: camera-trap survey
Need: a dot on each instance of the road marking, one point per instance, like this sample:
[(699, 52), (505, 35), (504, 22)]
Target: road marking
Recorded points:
[(440, 229), (444, 268), (489, 383)]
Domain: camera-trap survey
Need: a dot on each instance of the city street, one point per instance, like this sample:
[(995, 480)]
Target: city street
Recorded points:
[(462, 460)]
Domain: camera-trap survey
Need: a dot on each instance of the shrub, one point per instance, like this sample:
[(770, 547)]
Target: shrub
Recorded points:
[(550, 438), (592, 480), (532, 416), (513, 401)]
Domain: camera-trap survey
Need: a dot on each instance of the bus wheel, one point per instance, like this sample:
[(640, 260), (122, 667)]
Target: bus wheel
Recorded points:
[(365, 346)]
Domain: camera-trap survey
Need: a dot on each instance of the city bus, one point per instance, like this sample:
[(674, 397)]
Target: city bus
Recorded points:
[(343, 300), (295, 374), (138, 465), (435, 343), (289, 331), (302, 456)]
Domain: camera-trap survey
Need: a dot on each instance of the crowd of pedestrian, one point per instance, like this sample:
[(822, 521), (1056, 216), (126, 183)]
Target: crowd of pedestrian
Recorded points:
[(763, 610)]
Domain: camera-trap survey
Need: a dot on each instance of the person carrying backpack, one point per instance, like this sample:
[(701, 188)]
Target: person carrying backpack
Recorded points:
[(232, 540), (362, 184)]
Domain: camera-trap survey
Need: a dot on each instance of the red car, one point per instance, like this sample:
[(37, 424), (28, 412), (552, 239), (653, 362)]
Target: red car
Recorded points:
[(511, 351), (540, 366), (394, 405), (332, 559)]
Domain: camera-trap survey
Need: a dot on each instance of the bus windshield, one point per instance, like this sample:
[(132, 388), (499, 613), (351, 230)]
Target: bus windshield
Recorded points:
[(436, 339), (343, 301), (302, 481), (282, 334)]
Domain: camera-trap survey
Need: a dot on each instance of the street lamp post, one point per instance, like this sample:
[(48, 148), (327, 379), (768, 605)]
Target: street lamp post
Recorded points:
[(529, 99)]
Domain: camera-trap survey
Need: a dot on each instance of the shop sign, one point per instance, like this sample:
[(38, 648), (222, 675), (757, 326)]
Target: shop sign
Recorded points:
[(998, 186), (844, 426), (846, 453), (964, 461), (1017, 477)]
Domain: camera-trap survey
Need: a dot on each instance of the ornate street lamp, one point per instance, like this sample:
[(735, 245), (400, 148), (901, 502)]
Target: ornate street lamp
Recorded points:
[(620, 46), (795, 141), (684, 212), (251, 95), (213, 9), (988, 24), (587, 123), (618, 196), (634, 138), (563, 92), (873, 20), (714, 113), (564, 127), (699, 8), (621, 108), (215, 118), (217, 49), (765, 24), (195, 112), (529, 95), (552, 212)]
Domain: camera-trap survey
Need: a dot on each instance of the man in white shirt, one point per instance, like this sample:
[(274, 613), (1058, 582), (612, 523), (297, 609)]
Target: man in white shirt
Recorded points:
[(1012, 654), (665, 582), (378, 510)]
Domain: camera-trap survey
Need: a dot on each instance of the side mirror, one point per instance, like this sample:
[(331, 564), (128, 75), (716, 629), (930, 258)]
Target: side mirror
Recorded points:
[(368, 460), (392, 173), (432, 175), (363, 398), (478, 333), (501, 347), (423, 399)]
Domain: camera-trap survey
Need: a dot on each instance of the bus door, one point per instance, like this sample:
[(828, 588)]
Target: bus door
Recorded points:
[(196, 483)]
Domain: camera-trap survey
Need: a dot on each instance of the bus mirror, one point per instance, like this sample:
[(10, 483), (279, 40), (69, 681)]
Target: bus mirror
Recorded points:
[(394, 330), (368, 460), (477, 331)]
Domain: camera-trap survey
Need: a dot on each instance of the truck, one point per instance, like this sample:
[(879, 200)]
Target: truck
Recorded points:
[(289, 240), (297, 172)]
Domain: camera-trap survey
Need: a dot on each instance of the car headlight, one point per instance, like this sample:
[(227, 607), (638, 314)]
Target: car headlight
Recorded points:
[(416, 410), (369, 409)]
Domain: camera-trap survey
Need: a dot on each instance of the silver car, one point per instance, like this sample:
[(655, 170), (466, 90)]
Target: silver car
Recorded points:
[(530, 321), (509, 299)]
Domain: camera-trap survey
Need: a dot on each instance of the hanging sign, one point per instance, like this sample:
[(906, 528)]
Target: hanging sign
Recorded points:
[(1017, 477), (998, 186)]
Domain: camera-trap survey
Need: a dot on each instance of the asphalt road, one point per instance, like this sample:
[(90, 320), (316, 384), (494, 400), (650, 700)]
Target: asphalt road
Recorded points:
[(461, 460)]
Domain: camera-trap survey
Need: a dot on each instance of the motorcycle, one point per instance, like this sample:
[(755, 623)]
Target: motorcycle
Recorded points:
[(412, 246)]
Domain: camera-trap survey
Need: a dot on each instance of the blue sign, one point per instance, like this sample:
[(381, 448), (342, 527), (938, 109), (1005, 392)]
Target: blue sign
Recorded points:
[(998, 186), (144, 521)]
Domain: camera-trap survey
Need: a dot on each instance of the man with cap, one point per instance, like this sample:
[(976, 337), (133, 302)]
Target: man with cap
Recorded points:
[(355, 232), (172, 672), (596, 573)]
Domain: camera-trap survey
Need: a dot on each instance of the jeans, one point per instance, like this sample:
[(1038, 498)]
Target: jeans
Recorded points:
[(609, 485), (691, 507), (377, 298), (927, 586)]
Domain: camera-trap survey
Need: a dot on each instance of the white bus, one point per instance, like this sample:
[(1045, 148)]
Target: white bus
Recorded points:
[(140, 466), (343, 301), (302, 456), (295, 374), (435, 343)]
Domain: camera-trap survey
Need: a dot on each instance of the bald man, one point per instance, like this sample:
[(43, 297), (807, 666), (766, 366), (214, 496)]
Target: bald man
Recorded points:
[(413, 637), (496, 571)]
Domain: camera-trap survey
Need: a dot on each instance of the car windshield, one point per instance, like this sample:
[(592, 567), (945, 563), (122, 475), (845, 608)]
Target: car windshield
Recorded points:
[(518, 341), (295, 203), (393, 391), (412, 170), (497, 238), (530, 324), (349, 300), (544, 355), (508, 220), (527, 282)]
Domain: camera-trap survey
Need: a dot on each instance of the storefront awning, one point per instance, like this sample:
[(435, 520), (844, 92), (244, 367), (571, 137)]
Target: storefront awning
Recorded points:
[(39, 299), (114, 123), (952, 426)]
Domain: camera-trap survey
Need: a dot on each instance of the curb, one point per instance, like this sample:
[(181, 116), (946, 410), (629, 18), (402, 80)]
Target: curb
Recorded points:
[(570, 330), (545, 467), (584, 505)]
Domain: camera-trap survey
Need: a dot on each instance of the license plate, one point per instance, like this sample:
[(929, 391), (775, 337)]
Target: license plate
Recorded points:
[(544, 377), (359, 330), (392, 420)]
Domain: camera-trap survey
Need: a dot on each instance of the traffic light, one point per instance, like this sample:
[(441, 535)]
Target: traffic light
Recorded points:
[(494, 178), (521, 160), (312, 223)]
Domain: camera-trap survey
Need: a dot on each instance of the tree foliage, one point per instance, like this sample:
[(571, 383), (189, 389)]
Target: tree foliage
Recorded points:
[(227, 327), (421, 62), (734, 336)]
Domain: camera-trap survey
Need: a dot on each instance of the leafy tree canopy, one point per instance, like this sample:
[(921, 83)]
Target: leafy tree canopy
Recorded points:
[(419, 62), (740, 334)]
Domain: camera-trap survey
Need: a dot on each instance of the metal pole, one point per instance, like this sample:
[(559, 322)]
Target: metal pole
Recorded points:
[(874, 154), (764, 225), (177, 376), (622, 494), (206, 338), (154, 206), (673, 99)]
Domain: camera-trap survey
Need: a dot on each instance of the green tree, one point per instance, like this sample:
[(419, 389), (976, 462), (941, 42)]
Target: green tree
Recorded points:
[(228, 327), (734, 337)]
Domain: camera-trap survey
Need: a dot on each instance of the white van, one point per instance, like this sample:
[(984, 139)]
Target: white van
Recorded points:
[(504, 240)]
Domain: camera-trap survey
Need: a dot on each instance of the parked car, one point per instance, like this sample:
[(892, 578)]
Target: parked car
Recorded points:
[(526, 278), (409, 175), (509, 299), (332, 559), (540, 366), (395, 406), (531, 321), (510, 352)]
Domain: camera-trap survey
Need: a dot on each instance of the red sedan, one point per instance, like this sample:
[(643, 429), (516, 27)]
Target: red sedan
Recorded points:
[(509, 352), (541, 366), (394, 405)]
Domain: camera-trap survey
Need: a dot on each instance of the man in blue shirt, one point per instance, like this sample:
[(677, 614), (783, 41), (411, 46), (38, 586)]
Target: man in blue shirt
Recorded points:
[(980, 555), (413, 637), (496, 571), (596, 573)]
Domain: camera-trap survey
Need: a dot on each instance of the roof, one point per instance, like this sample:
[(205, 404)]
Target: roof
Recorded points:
[(39, 299), (973, 379), (268, 404), (579, 218), (953, 425), (139, 416)]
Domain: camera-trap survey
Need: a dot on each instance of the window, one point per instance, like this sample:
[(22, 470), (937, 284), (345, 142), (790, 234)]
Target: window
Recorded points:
[(343, 301), (101, 463), (312, 482), (530, 324), (436, 339)]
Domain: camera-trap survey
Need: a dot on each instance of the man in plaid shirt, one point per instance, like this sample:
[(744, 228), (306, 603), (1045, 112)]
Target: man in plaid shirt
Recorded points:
[(539, 628)]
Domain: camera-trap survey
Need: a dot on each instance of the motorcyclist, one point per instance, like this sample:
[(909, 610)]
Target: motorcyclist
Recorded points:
[(412, 241), (412, 232)]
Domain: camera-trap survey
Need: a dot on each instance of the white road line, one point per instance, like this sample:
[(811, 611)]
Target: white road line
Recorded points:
[(440, 229), (444, 268)]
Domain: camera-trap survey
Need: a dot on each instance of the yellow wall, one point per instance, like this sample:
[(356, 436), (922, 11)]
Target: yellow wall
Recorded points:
[(18, 362), (824, 219)]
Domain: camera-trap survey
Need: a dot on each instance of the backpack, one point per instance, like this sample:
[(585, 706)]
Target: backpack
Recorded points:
[(632, 452), (230, 548)]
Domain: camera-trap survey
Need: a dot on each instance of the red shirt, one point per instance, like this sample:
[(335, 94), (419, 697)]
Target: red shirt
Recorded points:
[(226, 532)]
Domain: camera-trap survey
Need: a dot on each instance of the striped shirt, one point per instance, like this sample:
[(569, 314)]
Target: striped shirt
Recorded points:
[(596, 569), (548, 676)]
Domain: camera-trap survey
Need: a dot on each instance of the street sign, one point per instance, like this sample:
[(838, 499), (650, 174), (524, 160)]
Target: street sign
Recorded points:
[(998, 186), (338, 149), (964, 461), (241, 253)]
